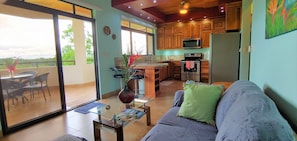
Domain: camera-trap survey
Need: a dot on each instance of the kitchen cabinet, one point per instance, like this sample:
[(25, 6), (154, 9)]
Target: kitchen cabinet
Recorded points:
[(233, 16), (151, 77), (161, 38), (191, 29), (218, 24), (206, 24), (205, 36), (175, 69), (168, 37), (163, 73), (204, 71), (177, 41)]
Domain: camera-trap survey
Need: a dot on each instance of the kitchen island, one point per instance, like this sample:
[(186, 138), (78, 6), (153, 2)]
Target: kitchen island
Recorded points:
[(151, 77)]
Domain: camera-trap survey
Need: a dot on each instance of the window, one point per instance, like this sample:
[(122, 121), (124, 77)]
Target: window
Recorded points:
[(136, 38), (63, 6)]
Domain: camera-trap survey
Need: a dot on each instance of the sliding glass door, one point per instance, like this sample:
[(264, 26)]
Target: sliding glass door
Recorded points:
[(27, 59), (47, 65), (76, 42)]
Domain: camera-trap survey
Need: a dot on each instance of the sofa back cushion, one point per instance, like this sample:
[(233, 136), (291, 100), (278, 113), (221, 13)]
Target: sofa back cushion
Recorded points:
[(230, 95), (253, 116)]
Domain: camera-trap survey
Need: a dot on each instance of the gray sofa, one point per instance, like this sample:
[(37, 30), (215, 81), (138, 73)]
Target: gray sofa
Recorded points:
[(244, 113)]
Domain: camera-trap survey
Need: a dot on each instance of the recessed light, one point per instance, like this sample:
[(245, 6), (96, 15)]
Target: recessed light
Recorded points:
[(178, 20), (141, 4), (148, 17), (204, 17), (154, 1), (154, 20), (222, 7), (191, 19), (183, 11), (129, 6), (140, 14), (222, 11)]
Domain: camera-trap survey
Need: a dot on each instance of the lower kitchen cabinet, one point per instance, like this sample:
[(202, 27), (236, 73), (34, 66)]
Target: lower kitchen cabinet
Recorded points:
[(175, 68), (204, 71), (163, 73)]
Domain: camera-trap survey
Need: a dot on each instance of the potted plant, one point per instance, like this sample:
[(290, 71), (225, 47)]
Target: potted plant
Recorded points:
[(11, 66), (126, 95)]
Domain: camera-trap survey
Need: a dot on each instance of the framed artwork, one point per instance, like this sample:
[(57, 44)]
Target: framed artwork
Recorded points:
[(281, 17)]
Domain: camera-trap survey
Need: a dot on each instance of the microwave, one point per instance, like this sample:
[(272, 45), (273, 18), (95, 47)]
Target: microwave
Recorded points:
[(192, 43)]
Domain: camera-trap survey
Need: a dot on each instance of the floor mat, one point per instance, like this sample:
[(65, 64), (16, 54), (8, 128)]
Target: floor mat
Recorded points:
[(85, 109), (166, 83)]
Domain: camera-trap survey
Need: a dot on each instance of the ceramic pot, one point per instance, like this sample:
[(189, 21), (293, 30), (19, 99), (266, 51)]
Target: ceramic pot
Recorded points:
[(126, 95)]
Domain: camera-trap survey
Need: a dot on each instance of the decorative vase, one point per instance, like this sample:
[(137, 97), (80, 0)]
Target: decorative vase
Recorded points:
[(126, 95)]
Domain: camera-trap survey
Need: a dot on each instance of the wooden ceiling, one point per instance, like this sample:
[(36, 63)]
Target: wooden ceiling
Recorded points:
[(161, 11)]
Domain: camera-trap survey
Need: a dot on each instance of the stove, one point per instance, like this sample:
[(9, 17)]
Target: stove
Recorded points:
[(190, 67)]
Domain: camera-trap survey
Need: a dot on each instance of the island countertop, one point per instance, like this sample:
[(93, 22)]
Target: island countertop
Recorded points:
[(148, 65)]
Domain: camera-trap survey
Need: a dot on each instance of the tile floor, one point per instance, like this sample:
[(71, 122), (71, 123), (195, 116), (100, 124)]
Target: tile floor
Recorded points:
[(81, 124)]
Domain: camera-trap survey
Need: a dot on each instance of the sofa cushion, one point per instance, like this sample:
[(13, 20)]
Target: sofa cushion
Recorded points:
[(200, 102), (230, 95), (171, 127), (253, 116)]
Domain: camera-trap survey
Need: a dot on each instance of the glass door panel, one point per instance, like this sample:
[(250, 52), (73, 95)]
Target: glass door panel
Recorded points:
[(78, 61), (28, 58)]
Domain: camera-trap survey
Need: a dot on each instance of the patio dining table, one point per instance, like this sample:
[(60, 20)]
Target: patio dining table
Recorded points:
[(16, 76)]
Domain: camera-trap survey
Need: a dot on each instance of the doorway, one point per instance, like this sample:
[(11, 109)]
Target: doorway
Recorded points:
[(31, 50), (77, 51)]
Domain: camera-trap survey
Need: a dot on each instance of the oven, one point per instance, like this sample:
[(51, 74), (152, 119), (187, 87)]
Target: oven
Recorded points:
[(190, 67)]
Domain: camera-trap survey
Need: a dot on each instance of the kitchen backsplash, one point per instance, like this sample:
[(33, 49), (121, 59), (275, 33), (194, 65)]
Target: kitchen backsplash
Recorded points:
[(153, 58)]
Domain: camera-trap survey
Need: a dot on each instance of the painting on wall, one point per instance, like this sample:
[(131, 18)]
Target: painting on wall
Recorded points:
[(281, 17)]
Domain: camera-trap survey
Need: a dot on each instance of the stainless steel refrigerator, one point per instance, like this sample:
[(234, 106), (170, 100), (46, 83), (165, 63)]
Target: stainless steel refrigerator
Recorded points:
[(224, 57)]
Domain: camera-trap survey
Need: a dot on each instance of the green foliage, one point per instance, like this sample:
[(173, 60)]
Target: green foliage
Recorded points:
[(68, 51), (89, 48)]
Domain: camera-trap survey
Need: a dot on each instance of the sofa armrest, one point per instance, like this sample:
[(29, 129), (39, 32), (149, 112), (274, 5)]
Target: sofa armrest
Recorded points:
[(178, 98)]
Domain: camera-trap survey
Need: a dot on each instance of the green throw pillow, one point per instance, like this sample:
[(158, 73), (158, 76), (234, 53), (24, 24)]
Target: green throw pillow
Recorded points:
[(200, 102)]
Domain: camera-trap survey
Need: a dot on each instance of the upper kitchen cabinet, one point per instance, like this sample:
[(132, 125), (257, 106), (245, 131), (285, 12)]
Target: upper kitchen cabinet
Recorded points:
[(164, 36), (233, 16), (205, 36), (177, 35), (168, 36), (206, 30), (160, 38), (191, 29), (218, 25)]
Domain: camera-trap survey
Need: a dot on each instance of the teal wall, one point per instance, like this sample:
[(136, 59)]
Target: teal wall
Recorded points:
[(180, 51), (273, 61), (108, 48)]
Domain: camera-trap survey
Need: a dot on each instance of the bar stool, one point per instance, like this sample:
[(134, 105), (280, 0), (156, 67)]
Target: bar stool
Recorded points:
[(137, 75), (119, 75)]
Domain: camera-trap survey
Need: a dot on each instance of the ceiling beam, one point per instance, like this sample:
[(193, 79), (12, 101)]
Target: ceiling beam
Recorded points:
[(120, 2)]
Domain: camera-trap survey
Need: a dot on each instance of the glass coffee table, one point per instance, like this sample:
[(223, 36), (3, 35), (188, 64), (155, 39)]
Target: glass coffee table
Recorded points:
[(116, 117)]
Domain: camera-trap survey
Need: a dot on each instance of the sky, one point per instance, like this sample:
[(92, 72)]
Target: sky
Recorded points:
[(26, 38)]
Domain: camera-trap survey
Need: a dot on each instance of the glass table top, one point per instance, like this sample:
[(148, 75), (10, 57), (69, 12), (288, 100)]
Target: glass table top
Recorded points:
[(119, 112)]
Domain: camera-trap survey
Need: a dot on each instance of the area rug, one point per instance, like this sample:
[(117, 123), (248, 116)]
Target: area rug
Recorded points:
[(166, 83), (85, 109)]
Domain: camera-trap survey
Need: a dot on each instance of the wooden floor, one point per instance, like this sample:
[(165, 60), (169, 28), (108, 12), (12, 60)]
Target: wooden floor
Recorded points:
[(81, 124)]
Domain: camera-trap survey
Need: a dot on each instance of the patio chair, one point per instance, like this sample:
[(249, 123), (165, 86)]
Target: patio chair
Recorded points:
[(38, 83), (11, 90)]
